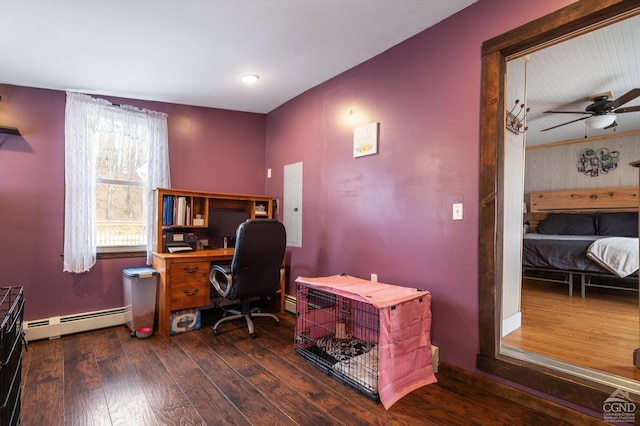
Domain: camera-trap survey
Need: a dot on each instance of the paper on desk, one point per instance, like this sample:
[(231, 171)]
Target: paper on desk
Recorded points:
[(176, 249)]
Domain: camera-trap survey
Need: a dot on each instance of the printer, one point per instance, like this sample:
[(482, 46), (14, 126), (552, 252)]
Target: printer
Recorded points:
[(174, 241)]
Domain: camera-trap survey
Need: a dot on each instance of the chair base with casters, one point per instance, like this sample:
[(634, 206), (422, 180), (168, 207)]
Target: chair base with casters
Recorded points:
[(222, 280), (247, 313)]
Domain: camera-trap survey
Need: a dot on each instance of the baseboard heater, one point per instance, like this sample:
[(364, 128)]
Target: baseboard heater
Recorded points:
[(290, 306), (54, 327), (290, 303)]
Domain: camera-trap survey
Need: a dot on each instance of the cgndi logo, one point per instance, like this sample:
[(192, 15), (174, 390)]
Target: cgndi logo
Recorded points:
[(619, 408)]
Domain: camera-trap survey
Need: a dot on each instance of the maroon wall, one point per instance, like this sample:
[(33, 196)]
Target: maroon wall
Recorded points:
[(390, 213), (209, 150)]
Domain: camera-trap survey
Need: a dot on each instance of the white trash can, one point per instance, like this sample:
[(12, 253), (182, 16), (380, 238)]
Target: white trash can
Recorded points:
[(140, 286)]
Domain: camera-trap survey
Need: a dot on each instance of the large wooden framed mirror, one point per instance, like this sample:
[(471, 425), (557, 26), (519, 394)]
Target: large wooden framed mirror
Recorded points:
[(587, 390)]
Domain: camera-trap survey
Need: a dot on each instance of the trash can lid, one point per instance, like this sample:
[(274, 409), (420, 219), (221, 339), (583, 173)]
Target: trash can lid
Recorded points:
[(137, 272)]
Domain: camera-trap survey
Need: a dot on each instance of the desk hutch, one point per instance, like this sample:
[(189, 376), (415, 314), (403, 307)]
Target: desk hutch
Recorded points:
[(184, 276)]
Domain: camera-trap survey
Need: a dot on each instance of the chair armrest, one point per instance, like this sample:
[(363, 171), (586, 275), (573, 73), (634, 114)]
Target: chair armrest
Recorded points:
[(220, 279), (224, 268)]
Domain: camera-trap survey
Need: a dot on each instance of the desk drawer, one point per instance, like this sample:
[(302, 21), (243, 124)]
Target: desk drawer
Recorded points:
[(189, 295), (189, 285), (189, 272)]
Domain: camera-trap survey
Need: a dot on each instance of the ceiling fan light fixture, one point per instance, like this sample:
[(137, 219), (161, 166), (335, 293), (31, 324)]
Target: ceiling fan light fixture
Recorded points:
[(600, 121)]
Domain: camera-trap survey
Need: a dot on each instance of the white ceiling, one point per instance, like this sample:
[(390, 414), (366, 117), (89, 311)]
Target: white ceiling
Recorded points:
[(563, 77), (192, 51)]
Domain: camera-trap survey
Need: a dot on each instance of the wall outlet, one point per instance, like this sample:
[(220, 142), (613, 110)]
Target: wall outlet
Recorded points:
[(457, 211), (374, 278)]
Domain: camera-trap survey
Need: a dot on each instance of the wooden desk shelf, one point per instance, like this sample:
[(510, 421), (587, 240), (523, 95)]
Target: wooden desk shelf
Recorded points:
[(190, 209)]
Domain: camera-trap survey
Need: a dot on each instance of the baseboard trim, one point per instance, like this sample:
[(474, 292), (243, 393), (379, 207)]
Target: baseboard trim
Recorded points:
[(456, 379), (512, 323)]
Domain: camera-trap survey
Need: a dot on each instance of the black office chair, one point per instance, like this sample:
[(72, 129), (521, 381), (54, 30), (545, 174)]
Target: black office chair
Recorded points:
[(256, 269)]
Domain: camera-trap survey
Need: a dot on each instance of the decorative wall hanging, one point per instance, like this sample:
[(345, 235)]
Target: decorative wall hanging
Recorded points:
[(593, 163), (515, 123), (365, 140)]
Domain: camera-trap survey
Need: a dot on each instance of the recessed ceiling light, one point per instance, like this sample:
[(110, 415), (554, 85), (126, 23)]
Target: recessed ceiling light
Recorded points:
[(249, 78)]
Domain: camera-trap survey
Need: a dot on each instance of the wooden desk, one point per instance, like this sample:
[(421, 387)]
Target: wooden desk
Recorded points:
[(184, 282)]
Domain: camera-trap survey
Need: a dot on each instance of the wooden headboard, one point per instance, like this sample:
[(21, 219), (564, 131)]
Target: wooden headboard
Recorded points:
[(618, 199)]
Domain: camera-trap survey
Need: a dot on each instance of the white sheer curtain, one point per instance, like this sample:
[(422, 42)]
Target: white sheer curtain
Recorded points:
[(84, 116)]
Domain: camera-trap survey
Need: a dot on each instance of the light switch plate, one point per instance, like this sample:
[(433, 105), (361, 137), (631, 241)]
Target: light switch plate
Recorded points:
[(457, 211)]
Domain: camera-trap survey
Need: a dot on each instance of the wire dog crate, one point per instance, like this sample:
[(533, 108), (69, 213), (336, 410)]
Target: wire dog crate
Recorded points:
[(339, 335), (372, 336), (11, 311)]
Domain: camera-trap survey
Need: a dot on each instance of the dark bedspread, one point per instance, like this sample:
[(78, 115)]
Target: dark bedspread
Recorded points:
[(564, 252)]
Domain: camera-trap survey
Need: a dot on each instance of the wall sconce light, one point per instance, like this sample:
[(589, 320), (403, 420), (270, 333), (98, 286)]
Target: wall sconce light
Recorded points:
[(354, 117), (9, 130), (516, 123)]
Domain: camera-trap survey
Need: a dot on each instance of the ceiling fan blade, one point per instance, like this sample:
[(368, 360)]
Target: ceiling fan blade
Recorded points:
[(611, 126), (629, 96), (564, 124), (627, 109), (568, 112)]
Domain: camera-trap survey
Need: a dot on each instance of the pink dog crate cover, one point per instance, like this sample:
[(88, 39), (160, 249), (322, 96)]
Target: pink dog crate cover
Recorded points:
[(404, 342)]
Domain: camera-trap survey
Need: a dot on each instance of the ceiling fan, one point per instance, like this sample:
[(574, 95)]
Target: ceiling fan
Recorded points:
[(601, 114)]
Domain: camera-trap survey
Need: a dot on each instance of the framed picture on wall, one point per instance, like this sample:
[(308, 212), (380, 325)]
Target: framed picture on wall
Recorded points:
[(365, 140)]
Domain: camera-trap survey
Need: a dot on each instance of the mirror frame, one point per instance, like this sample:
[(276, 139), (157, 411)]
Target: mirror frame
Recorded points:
[(572, 20)]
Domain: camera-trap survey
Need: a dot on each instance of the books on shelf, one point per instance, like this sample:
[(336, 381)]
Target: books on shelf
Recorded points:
[(167, 210), (181, 212), (175, 211)]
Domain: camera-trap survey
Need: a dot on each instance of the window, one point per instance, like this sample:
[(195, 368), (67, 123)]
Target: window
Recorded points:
[(115, 156), (121, 199)]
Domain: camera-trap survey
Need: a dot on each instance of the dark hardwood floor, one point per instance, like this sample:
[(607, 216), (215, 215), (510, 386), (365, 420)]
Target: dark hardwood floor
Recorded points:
[(104, 377)]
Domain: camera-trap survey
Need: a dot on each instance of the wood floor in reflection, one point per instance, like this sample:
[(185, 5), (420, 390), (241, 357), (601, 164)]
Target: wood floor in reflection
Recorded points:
[(600, 331)]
